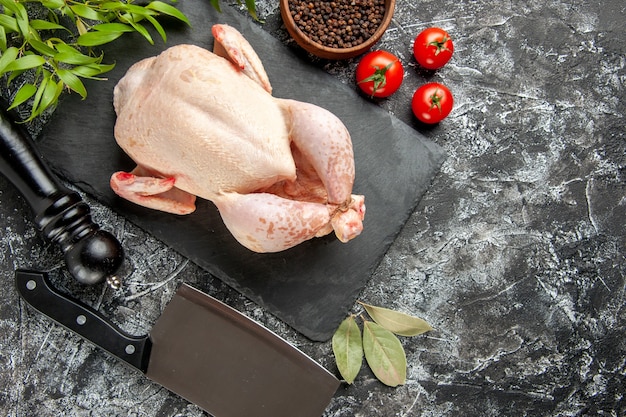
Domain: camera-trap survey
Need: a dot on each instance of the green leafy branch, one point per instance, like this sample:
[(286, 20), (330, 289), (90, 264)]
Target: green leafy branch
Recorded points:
[(61, 54), (383, 351)]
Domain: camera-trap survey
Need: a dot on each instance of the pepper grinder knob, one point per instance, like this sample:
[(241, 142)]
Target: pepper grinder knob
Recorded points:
[(91, 255), (95, 258)]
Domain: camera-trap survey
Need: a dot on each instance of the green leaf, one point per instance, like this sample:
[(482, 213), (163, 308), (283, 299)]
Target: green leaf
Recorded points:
[(399, 323), (142, 30), (42, 48), (216, 5), (136, 13), (66, 11), (87, 12), (348, 349), (72, 81), (90, 71), (36, 109), (50, 95), (168, 10), (384, 354), (46, 25), (53, 4), (158, 27), (75, 58), (23, 27), (113, 5), (25, 62), (97, 38), (10, 5), (21, 17), (9, 23), (23, 94), (113, 27), (3, 39), (251, 6), (7, 58), (61, 46), (81, 27)]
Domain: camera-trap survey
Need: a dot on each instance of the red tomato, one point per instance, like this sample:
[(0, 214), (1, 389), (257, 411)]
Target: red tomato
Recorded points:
[(433, 48), (432, 103), (379, 74)]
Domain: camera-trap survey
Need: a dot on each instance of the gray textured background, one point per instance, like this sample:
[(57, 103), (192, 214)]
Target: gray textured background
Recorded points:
[(515, 255)]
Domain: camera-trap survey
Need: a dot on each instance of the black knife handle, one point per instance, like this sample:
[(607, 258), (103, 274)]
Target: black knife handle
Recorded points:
[(35, 288), (91, 254)]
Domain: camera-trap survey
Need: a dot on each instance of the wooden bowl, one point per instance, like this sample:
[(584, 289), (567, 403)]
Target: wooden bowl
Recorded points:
[(327, 52)]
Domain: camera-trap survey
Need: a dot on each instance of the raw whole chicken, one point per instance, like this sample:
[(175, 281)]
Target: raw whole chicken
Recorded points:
[(200, 123)]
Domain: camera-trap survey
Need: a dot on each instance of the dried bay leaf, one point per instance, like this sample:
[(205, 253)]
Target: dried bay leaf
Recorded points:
[(399, 323), (348, 349), (384, 354)]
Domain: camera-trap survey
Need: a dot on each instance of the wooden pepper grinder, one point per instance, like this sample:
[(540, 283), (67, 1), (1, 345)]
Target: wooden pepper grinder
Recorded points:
[(91, 255)]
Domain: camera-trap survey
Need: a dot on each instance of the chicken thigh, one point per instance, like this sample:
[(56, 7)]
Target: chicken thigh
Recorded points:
[(201, 123)]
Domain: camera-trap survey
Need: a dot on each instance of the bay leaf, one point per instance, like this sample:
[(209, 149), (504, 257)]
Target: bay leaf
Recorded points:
[(348, 349), (384, 354), (397, 322)]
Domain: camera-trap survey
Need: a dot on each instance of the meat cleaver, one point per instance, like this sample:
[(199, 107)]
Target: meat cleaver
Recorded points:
[(202, 350)]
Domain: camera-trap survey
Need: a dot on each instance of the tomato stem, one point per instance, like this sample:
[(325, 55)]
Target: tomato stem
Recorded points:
[(435, 100), (440, 45), (379, 77)]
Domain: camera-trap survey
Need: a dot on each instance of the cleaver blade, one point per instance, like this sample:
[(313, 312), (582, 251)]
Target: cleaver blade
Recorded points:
[(202, 350)]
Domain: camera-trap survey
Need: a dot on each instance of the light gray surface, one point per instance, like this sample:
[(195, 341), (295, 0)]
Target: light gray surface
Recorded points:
[(515, 255)]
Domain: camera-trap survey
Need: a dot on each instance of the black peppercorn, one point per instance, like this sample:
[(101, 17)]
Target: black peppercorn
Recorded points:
[(338, 23)]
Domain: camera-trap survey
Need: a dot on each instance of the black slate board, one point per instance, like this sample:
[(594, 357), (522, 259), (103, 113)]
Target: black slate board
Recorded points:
[(310, 287)]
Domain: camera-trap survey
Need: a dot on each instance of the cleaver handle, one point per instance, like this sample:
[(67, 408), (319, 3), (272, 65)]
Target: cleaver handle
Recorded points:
[(91, 255), (35, 288)]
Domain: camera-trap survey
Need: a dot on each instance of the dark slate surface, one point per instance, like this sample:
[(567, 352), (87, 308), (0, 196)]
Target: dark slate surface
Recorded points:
[(312, 286), (515, 254)]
